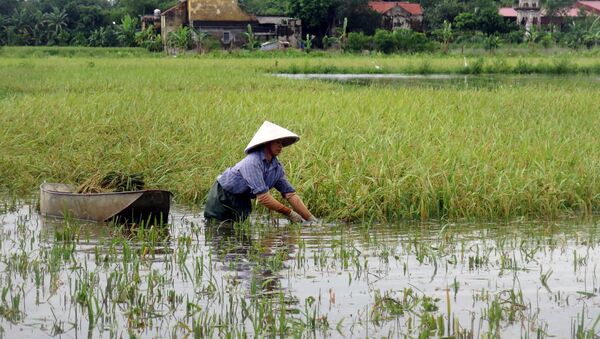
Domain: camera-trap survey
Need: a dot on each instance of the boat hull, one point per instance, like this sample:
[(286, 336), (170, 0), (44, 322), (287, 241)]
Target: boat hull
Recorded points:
[(147, 206)]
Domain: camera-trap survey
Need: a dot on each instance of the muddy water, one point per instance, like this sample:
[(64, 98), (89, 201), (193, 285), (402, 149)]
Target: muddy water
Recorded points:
[(61, 277), (459, 81)]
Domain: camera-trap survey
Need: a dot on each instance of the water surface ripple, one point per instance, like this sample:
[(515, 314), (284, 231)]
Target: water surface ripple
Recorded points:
[(69, 278)]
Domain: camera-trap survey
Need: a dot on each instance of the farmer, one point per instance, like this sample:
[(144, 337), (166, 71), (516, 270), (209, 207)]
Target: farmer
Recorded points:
[(230, 197)]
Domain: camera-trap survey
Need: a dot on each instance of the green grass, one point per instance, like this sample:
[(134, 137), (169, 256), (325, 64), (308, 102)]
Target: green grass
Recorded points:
[(557, 65), (366, 152), (74, 51)]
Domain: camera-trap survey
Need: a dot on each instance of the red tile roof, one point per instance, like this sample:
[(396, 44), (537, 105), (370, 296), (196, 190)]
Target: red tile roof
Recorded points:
[(507, 12), (591, 6), (384, 6)]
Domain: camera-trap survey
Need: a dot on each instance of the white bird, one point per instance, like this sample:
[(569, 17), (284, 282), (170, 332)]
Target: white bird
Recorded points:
[(466, 64)]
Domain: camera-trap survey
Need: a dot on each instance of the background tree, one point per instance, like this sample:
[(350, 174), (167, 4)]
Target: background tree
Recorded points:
[(200, 40), (137, 8), (361, 18), (24, 26), (251, 42), (56, 22), (126, 31), (181, 38), (8, 6), (36, 22), (384, 41), (265, 7), (149, 39), (85, 16), (557, 7), (316, 15), (103, 37), (3, 28), (484, 19), (446, 35), (436, 12)]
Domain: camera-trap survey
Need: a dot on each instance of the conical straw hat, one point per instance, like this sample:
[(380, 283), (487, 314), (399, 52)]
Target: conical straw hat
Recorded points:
[(269, 132)]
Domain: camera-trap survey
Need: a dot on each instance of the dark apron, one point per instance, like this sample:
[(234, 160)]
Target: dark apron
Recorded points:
[(224, 206)]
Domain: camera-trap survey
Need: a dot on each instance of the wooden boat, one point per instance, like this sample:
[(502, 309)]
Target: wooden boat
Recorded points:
[(148, 206)]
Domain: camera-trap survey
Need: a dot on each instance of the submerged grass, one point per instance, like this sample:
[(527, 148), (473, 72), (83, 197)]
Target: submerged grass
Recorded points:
[(255, 280), (366, 152), (404, 280)]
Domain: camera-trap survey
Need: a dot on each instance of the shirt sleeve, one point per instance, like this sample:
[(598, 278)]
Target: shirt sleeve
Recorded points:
[(284, 186), (252, 172)]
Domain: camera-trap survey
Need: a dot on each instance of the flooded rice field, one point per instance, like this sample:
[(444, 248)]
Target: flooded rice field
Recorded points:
[(268, 278), (459, 81)]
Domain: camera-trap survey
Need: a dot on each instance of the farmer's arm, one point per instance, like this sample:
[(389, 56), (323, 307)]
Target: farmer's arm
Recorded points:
[(271, 203), (299, 207), (289, 193)]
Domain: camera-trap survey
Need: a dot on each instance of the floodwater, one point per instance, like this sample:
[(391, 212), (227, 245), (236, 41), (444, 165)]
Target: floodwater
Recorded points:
[(459, 81), (518, 279)]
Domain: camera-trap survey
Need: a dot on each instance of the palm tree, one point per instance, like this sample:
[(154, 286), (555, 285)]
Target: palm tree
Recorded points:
[(39, 32), (181, 38), (56, 21), (102, 37), (126, 31), (22, 26), (199, 39), (592, 36), (446, 35), (251, 42), (3, 30)]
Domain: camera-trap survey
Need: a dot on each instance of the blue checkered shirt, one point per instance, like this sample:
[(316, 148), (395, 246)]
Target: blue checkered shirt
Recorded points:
[(254, 175)]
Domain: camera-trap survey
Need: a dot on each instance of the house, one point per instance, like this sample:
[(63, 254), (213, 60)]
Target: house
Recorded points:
[(591, 7), (399, 14), (529, 13), (226, 22)]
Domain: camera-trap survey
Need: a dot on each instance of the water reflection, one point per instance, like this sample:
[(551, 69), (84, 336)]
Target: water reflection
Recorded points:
[(152, 241), (190, 279), (254, 260)]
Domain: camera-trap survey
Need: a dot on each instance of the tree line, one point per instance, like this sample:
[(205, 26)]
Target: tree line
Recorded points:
[(351, 23), (73, 22)]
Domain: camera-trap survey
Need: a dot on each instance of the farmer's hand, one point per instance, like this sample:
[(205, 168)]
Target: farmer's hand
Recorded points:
[(294, 217), (311, 221), (299, 206)]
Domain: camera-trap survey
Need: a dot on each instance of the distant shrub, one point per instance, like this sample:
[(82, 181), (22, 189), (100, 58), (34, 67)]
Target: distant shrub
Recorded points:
[(330, 42), (211, 44), (79, 39), (499, 65), (149, 39), (402, 40), (547, 40), (476, 67), (384, 41), (562, 66), (472, 38), (492, 42), (410, 41), (515, 37), (523, 67), (425, 67), (358, 41)]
